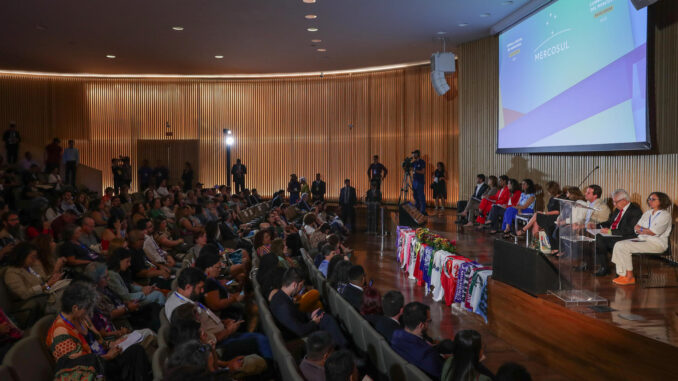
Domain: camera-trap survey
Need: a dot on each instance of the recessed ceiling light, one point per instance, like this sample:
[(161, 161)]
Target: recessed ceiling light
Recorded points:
[(506, 2), (311, 17), (312, 29), (484, 15), (316, 41), (463, 25), (218, 57), (309, 1), (178, 28), (321, 50), (110, 56)]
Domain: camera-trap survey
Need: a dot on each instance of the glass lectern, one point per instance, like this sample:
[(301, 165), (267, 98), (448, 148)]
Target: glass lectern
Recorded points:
[(576, 284)]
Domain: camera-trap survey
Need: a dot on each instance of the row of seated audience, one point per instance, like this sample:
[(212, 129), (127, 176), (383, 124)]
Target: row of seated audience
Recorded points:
[(624, 231), (111, 269)]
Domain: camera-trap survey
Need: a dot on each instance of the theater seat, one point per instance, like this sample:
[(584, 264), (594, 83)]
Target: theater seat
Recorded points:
[(28, 361), (41, 327), (163, 336), (6, 373), (414, 373), (394, 366), (158, 363), (289, 370), (163, 318)]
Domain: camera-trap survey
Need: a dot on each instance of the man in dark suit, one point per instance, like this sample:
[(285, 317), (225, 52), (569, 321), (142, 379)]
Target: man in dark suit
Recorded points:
[(318, 189), (392, 303), (347, 200), (294, 322), (238, 171), (353, 292), (620, 225), (410, 344)]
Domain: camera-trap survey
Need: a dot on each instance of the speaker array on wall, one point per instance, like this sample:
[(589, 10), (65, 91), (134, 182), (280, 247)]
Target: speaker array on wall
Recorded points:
[(439, 82), (441, 63)]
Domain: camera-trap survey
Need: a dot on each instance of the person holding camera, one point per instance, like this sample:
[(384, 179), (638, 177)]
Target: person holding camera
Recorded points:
[(419, 181)]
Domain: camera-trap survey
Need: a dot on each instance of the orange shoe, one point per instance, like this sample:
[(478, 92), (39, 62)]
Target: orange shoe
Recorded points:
[(625, 281), (618, 278)]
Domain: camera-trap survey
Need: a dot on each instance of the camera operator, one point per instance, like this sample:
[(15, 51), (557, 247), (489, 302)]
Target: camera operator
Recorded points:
[(376, 172), (419, 181)]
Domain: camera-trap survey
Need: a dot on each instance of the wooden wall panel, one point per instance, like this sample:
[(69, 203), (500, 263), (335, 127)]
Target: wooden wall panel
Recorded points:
[(640, 174), (332, 125)]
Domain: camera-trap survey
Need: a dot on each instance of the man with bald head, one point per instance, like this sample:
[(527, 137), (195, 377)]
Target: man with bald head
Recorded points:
[(87, 236)]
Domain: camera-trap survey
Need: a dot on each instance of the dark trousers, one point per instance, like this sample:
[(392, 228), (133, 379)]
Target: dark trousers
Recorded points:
[(495, 216), (348, 216), (419, 196), (49, 167), (71, 168), (239, 184), (12, 153), (372, 216), (604, 245)]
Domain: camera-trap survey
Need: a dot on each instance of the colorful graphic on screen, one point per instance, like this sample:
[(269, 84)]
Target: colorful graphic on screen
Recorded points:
[(572, 77)]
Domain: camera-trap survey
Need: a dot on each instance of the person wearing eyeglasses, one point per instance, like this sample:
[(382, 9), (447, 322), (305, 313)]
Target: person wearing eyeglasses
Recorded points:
[(653, 232), (617, 228)]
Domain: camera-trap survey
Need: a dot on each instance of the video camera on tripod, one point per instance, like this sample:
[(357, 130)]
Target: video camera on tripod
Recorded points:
[(407, 164)]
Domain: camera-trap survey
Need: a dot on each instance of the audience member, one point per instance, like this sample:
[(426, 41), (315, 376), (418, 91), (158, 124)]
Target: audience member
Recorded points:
[(29, 284), (121, 282), (319, 346), (9, 334), (77, 254), (410, 344), (466, 357), (318, 188), (392, 303), (353, 292), (190, 286), (294, 322), (79, 351)]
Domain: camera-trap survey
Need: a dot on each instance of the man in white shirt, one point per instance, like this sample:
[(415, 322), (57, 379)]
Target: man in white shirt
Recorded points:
[(156, 255), (601, 211)]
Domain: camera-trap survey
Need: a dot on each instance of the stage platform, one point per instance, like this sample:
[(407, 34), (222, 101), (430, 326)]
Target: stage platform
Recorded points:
[(551, 343)]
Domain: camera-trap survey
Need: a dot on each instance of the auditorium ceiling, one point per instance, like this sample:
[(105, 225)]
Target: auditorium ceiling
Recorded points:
[(234, 36)]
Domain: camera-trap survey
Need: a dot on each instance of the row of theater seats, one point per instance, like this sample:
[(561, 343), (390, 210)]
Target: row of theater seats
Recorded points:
[(366, 339), (29, 358), (254, 212), (284, 360)]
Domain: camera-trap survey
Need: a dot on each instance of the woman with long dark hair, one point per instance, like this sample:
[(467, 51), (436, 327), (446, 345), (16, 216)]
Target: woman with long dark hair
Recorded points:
[(439, 186), (464, 365)]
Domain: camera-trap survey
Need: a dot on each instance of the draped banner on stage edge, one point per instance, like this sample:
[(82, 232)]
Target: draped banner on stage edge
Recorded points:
[(432, 261)]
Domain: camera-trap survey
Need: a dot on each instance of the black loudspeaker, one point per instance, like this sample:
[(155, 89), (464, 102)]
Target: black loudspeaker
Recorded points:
[(408, 215), (524, 268), (639, 4)]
